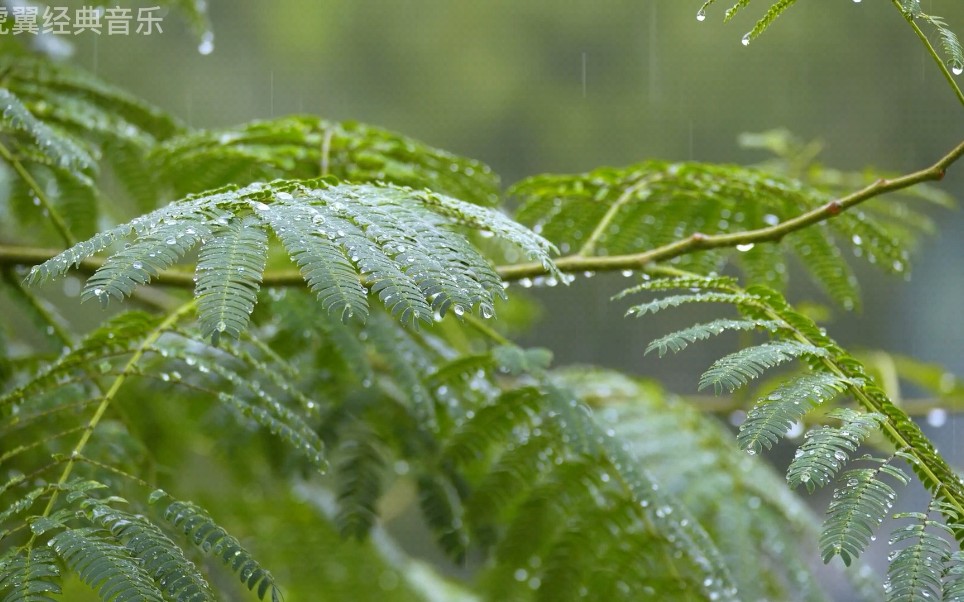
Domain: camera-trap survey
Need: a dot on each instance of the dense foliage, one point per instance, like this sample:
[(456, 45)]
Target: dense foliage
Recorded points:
[(310, 349)]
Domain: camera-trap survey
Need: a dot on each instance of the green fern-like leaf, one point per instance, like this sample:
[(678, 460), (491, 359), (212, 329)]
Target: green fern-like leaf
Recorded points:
[(397, 239), (737, 369), (954, 585), (916, 571), (774, 415), (145, 259), (307, 147), (950, 43), (360, 472), (442, 512), (211, 538), (679, 340), (775, 10), (62, 151), (228, 274), (161, 558), (860, 504), (105, 566), (824, 261), (32, 576), (281, 422), (677, 300), (827, 449)]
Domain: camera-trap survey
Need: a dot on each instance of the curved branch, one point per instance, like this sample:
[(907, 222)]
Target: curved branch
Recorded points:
[(16, 255), (699, 242), (930, 50)]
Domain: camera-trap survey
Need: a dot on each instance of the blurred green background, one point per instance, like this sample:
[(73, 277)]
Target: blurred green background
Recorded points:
[(539, 86)]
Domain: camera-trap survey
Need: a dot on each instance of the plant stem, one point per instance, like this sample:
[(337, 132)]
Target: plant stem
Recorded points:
[(932, 51), (129, 368), (55, 217)]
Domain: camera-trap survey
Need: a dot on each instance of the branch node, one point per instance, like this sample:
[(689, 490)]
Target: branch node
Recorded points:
[(833, 207)]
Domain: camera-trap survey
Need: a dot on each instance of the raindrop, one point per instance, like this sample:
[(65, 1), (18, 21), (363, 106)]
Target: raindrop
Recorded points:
[(221, 327), (260, 206), (746, 40), (627, 273), (701, 15), (857, 240), (937, 417), (744, 248), (957, 69), (137, 265), (458, 310), (171, 241), (207, 43)]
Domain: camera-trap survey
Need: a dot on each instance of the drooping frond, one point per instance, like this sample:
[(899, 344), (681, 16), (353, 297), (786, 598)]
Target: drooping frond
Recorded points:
[(740, 503), (681, 339), (105, 566), (860, 504), (441, 509), (65, 123), (776, 9), (60, 150), (305, 147), (212, 539), (539, 444), (281, 422), (228, 277), (398, 240), (80, 102), (161, 558), (949, 41), (774, 415), (950, 44), (825, 263), (916, 571), (828, 448), (738, 369), (360, 471), (863, 500), (954, 584), (32, 576)]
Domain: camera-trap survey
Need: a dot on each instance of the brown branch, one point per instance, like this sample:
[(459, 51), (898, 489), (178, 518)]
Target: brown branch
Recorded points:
[(700, 242), (15, 255)]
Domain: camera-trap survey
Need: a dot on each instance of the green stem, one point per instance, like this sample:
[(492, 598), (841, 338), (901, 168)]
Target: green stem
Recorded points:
[(38, 191), (899, 429), (129, 368), (932, 51)]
